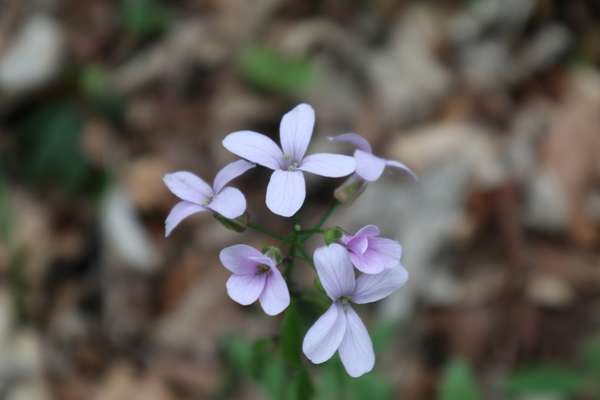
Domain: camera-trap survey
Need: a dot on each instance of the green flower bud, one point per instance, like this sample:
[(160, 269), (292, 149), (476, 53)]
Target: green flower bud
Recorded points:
[(274, 253), (237, 225), (332, 235), (348, 191)]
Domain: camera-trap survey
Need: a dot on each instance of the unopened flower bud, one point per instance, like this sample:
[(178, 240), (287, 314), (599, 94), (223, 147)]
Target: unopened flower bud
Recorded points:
[(238, 224), (274, 253), (332, 235), (348, 191)]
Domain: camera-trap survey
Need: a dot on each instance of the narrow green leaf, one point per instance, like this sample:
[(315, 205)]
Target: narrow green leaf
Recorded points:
[(458, 382), (292, 333), (271, 70), (545, 379)]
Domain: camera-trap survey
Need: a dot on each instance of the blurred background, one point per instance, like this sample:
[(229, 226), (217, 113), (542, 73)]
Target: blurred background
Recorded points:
[(495, 105)]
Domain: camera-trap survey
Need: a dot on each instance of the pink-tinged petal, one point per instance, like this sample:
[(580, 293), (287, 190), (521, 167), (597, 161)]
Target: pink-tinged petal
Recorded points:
[(369, 262), (371, 288), (324, 337), (355, 139), (286, 192), (229, 202), (389, 251), (335, 270), (295, 131), (401, 166), (368, 166), (368, 231), (230, 172), (275, 297), (245, 289), (356, 349), (180, 211), (241, 259), (358, 244), (330, 165), (188, 186), (254, 147)]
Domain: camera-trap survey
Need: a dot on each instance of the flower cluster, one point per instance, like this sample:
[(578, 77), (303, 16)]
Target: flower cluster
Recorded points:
[(256, 275)]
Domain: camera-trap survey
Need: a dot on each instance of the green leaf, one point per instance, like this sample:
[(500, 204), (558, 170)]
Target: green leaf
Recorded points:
[(301, 387), (292, 334), (458, 382), (51, 137), (589, 354), (145, 17), (239, 355), (370, 386), (545, 379), (273, 71), (383, 334)]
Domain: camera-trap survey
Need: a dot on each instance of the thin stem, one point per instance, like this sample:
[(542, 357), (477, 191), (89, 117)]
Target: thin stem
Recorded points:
[(328, 214), (310, 231), (264, 231), (304, 255)]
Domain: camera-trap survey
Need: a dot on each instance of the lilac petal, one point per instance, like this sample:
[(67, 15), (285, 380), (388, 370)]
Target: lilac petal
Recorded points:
[(188, 186), (286, 192), (371, 288), (356, 349), (335, 270), (368, 231), (275, 297), (353, 138), (359, 242), (358, 245), (180, 211), (242, 259), (369, 262), (401, 166), (254, 147), (230, 172), (330, 165), (368, 166), (230, 203), (245, 289), (389, 251), (324, 337), (296, 129)]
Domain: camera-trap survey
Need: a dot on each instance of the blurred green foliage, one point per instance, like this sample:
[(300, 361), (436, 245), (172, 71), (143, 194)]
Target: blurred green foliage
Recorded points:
[(458, 382), (50, 139), (273, 71), (281, 370), (142, 18), (561, 381)]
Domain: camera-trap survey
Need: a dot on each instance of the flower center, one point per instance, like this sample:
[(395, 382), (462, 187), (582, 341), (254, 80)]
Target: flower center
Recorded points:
[(262, 269), (345, 300), (292, 165)]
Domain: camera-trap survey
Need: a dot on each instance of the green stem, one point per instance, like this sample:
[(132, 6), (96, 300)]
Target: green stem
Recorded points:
[(264, 231), (304, 255), (328, 214)]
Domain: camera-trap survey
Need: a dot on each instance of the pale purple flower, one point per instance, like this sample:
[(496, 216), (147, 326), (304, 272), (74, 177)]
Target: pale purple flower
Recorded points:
[(255, 277), (286, 190), (340, 328), (198, 196), (368, 165), (370, 253)]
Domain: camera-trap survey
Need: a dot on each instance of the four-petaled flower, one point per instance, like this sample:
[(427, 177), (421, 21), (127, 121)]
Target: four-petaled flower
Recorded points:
[(255, 276), (368, 165), (286, 190), (370, 253), (198, 196), (340, 328)]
